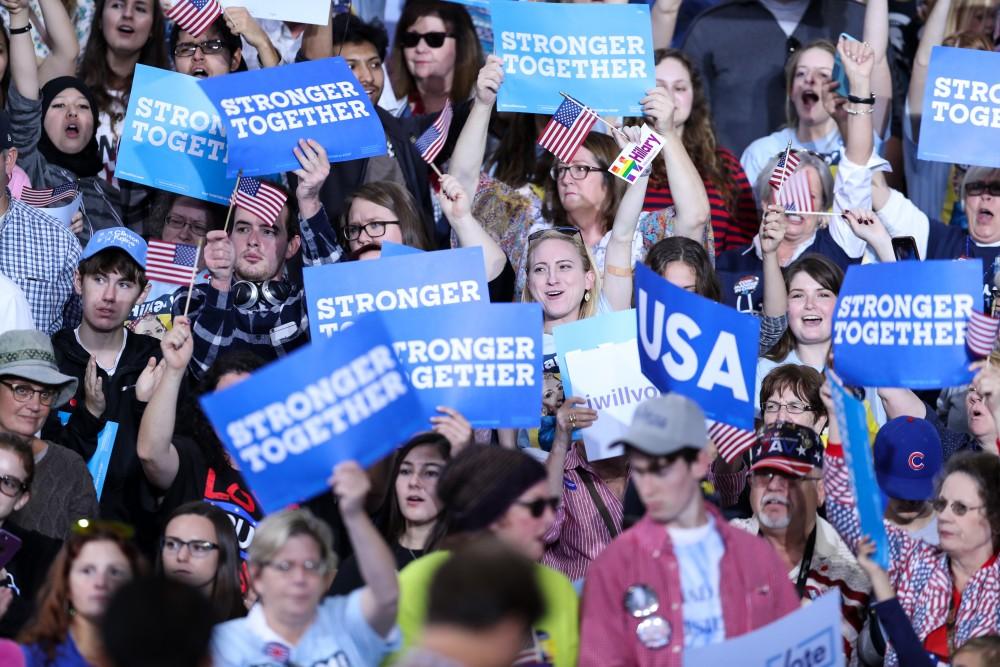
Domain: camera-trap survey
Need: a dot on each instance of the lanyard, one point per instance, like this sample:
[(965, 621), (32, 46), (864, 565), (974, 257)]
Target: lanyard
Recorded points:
[(807, 556)]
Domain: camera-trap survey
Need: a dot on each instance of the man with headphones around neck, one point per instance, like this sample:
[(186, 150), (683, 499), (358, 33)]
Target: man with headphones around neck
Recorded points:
[(249, 303)]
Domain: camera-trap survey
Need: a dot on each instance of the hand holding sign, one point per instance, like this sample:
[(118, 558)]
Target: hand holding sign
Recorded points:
[(453, 426), (659, 105), (571, 416), (350, 484), (315, 168), (489, 81), (881, 585)]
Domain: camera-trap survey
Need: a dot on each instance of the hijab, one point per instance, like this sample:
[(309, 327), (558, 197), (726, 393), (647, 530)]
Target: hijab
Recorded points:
[(88, 161)]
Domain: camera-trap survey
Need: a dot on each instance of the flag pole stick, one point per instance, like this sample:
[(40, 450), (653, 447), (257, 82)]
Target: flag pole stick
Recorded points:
[(232, 202), (608, 124), (194, 274), (784, 163), (434, 167)]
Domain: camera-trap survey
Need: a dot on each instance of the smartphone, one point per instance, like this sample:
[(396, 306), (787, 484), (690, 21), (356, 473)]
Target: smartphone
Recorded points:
[(9, 546), (905, 248), (839, 75)]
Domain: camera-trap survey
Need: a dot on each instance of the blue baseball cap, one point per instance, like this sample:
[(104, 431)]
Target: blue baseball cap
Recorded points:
[(117, 237), (907, 458)]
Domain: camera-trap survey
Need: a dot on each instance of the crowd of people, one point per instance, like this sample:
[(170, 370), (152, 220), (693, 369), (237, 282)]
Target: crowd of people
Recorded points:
[(128, 534)]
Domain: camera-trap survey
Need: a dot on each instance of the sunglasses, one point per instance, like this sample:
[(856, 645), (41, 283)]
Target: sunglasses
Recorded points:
[(958, 508), (565, 231), (537, 507), (434, 40), (977, 188)]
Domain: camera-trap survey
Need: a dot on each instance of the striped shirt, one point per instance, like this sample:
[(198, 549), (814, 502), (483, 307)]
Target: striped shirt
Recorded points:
[(731, 231), (579, 534)]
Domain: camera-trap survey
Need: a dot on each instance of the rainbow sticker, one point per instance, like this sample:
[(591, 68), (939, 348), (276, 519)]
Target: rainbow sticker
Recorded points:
[(626, 169)]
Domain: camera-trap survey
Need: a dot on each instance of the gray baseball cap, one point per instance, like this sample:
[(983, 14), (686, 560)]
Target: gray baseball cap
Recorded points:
[(666, 424)]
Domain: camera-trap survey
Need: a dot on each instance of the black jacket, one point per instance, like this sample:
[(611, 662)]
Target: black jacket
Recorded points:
[(26, 574), (80, 434)]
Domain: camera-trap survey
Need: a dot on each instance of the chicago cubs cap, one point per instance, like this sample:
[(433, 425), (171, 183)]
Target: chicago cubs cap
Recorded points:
[(789, 448), (907, 458), (117, 237)]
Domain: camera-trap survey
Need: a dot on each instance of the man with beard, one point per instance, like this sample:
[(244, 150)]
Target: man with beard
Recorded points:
[(249, 303), (786, 489)]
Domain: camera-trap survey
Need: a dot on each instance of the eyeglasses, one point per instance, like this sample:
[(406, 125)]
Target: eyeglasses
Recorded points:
[(792, 408), (208, 48), (565, 231), (537, 507), (434, 40), (197, 548), (313, 567), (958, 508), (88, 526), (179, 223), (373, 229), (977, 188), (577, 171), (764, 478), (23, 393), (11, 486)]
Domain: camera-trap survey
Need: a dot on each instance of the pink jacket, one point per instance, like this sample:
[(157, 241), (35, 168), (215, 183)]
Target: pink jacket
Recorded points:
[(754, 587)]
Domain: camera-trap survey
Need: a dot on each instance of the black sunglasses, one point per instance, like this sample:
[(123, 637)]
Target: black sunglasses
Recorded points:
[(537, 506), (977, 188), (434, 40)]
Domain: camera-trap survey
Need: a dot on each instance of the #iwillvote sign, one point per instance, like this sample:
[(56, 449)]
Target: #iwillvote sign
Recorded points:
[(698, 348), (289, 423), (173, 138), (903, 324), (808, 637), (265, 113), (600, 363), (961, 114), (482, 359), (339, 293), (600, 54)]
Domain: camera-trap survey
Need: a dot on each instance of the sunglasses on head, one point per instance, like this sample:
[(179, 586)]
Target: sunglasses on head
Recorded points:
[(565, 231), (434, 40), (537, 507), (977, 188)]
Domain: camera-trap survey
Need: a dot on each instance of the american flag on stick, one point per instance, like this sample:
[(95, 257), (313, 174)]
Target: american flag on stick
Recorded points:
[(567, 129), (981, 334), (260, 198), (434, 137), (44, 197), (171, 262), (194, 16), (795, 196), (730, 441), (784, 168)]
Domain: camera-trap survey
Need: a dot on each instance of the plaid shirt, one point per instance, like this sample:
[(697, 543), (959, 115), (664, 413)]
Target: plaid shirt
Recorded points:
[(268, 331), (40, 255)]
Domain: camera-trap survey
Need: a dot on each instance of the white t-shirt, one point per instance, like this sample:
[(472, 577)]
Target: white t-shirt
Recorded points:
[(699, 555), (15, 313), (787, 13)]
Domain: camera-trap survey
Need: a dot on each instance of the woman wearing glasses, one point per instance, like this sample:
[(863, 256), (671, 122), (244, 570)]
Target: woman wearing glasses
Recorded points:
[(435, 56), (948, 591), (292, 563), (504, 493), (93, 563), (199, 548)]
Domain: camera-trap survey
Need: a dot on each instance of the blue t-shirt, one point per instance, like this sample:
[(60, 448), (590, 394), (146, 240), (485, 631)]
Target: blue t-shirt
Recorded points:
[(339, 636), (66, 655), (699, 554)]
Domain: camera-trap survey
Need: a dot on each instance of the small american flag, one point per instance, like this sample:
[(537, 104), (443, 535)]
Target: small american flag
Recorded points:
[(432, 140), (794, 195), (981, 334), (171, 262), (567, 129), (48, 196), (730, 441), (784, 168), (194, 16), (260, 198)]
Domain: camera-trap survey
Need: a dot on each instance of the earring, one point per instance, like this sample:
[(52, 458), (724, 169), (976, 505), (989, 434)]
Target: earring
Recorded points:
[(586, 295)]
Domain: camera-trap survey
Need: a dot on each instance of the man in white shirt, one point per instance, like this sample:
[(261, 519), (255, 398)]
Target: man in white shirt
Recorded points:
[(15, 313)]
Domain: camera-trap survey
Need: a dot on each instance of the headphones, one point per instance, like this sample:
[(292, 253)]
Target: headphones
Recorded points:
[(246, 295)]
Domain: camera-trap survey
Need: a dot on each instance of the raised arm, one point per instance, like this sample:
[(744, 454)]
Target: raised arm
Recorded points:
[(23, 66), (317, 41), (772, 232), (877, 35), (470, 149), (243, 25), (154, 446), (664, 18), (64, 47), (457, 207), (380, 595), (616, 283), (932, 36)]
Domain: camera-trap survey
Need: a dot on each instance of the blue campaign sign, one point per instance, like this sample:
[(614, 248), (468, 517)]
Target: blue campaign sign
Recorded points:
[(173, 138), (903, 324), (266, 112), (482, 359), (697, 347), (338, 293), (390, 249), (290, 422), (600, 54), (853, 423), (961, 114)]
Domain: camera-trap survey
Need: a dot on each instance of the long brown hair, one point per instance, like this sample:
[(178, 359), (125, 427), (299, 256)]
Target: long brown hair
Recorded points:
[(698, 138), (516, 161), (820, 269), (49, 626), (94, 69), (394, 523), (398, 200), (691, 253), (468, 51), (605, 151)]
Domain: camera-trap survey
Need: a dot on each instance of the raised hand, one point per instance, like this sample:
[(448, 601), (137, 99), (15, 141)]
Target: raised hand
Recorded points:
[(93, 389), (349, 483), (857, 58), (454, 200), (315, 168), (177, 345), (659, 106), (489, 81), (453, 426), (150, 376), (571, 416), (220, 258), (772, 229)]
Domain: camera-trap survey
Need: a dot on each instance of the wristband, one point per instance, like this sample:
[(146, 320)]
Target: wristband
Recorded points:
[(20, 31), (862, 100), (853, 112)]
